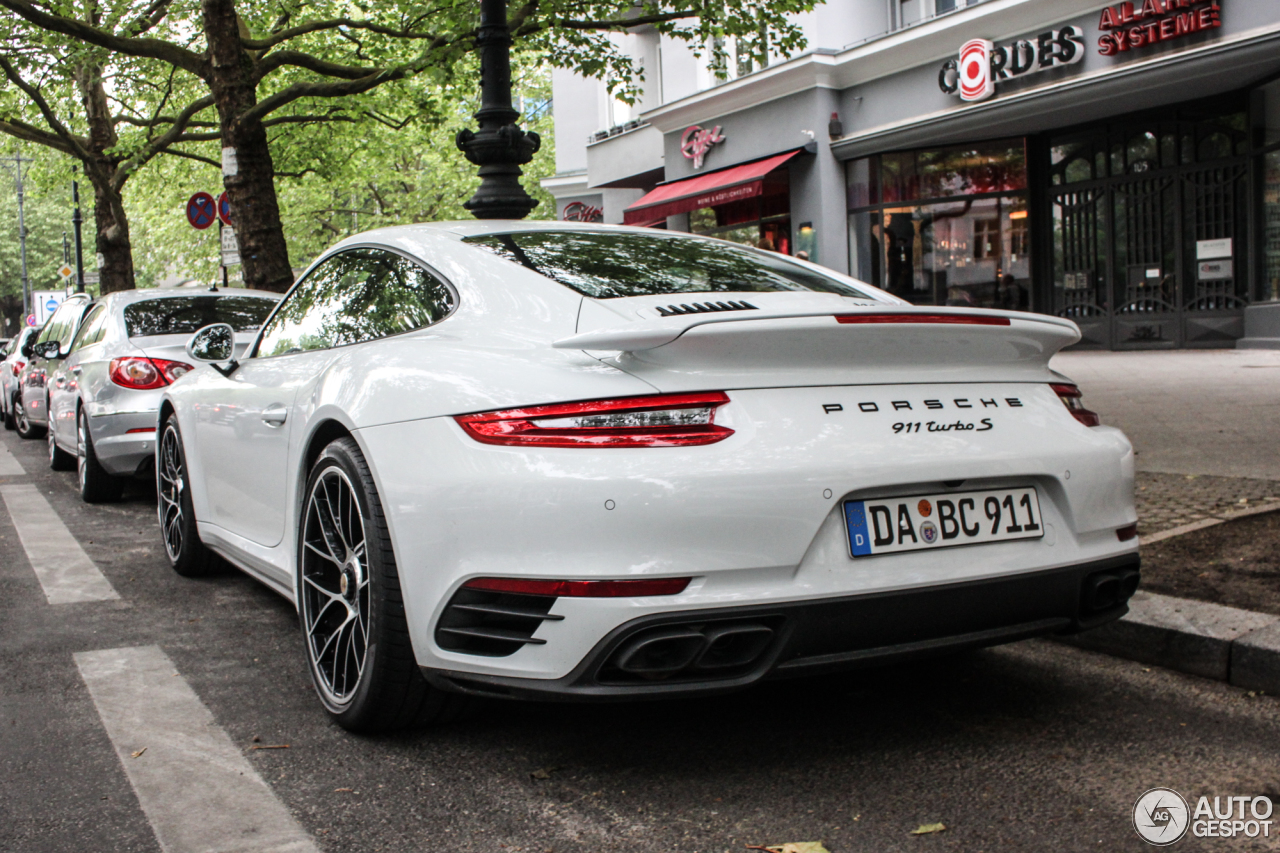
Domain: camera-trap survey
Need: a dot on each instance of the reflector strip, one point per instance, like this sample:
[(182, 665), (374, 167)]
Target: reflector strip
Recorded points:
[(583, 589), (142, 429), (947, 319)]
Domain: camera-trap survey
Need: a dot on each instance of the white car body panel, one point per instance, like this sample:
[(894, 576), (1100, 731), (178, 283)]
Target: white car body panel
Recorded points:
[(755, 518)]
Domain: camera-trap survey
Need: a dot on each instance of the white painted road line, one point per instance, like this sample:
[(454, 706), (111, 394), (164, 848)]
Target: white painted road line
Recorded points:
[(9, 466), (195, 786), (64, 570)]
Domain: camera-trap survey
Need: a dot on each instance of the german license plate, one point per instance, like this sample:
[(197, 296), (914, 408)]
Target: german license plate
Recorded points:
[(938, 521)]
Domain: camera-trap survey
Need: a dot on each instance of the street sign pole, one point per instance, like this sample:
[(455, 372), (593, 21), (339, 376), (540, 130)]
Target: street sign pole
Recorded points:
[(18, 160), (76, 219)]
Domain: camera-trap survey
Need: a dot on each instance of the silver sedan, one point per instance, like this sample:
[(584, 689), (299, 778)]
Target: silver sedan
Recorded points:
[(10, 369), (104, 390)]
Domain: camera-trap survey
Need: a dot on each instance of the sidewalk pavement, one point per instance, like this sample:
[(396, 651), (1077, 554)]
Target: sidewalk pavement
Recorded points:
[(1205, 412), (1205, 425)]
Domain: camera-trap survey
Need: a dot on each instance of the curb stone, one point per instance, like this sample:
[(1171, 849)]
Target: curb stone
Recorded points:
[(1210, 640)]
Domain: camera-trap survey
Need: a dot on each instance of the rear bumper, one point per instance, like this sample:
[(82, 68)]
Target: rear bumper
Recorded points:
[(810, 637), (120, 451)]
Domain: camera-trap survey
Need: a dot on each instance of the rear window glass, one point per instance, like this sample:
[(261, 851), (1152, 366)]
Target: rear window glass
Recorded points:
[(182, 315), (607, 266)]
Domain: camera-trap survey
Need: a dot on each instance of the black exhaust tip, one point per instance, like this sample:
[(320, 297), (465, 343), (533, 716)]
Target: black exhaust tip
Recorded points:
[(660, 654), (734, 646)]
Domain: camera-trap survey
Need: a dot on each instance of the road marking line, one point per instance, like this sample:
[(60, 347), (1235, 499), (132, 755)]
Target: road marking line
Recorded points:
[(197, 789), (64, 570), (9, 466)]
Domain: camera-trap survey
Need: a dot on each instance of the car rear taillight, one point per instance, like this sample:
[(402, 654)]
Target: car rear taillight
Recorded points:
[(17, 366), (668, 420), (1129, 531), (1072, 398), (140, 373), (582, 589)]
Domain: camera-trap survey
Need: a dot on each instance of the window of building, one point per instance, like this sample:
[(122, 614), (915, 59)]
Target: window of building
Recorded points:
[(945, 226)]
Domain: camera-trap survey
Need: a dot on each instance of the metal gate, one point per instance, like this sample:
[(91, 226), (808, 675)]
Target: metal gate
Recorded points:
[(1149, 230)]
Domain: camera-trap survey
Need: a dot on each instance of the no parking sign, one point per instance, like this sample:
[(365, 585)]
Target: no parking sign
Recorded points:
[(201, 210)]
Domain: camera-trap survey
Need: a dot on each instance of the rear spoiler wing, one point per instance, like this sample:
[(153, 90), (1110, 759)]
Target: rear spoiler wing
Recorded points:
[(651, 334)]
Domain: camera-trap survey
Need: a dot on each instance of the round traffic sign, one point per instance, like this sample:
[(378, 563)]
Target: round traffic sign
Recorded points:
[(51, 305), (224, 208), (201, 210), (31, 319)]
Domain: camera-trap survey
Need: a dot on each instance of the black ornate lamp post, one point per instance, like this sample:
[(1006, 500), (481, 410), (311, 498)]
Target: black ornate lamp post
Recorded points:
[(499, 147)]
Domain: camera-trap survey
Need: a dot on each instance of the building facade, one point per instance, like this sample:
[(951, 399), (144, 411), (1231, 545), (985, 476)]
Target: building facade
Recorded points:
[(1118, 164)]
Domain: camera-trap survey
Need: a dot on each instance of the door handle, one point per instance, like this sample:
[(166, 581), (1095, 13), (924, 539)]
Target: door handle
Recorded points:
[(275, 414)]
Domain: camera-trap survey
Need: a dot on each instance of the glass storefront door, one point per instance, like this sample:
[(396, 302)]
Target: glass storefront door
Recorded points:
[(1149, 231), (947, 226)]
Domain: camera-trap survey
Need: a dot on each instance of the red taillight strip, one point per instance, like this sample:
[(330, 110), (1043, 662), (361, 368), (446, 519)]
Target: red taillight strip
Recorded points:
[(141, 429), (1074, 401), (1124, 534), (948, 319), (517, 427), (582, 589)]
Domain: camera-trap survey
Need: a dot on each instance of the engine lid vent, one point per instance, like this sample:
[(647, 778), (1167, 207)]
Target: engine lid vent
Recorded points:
[(704, 308)]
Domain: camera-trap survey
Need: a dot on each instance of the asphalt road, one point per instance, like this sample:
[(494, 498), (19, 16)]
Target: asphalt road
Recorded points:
[(1034, 746)]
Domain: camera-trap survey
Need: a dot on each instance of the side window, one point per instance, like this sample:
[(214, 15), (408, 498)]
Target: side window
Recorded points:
[(72, 326), (92, 329), (356, 296)]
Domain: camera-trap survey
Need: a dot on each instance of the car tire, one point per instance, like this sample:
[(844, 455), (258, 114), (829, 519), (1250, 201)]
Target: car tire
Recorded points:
[(351, 607), (9, 422), (187, 554), (59, 459), (96, 485), (25, 428)]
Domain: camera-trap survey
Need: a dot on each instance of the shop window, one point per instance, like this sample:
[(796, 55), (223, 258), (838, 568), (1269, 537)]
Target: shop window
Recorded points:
[(1215, 146), (763, 221), (948, 226), (1143, 156), (986, 238)]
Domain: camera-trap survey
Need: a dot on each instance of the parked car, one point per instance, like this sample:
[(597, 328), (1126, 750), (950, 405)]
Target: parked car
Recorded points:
[(575, 461), (31, 405), (16, 355), (104, 389)]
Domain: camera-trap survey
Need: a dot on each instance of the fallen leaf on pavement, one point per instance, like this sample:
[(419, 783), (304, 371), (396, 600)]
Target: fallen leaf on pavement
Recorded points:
[(139, 752), (342, 790), (928, 828), (793, 847), (543, 772)]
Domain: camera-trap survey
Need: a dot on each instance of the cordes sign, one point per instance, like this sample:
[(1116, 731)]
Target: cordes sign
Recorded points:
[(981, 64)]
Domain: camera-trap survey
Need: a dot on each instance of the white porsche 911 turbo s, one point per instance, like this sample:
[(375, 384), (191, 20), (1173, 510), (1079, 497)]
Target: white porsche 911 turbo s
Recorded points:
[(549, 460)]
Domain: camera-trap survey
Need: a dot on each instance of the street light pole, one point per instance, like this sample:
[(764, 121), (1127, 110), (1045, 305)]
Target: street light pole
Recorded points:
[(18, 160), (499, 147), (76, 219)]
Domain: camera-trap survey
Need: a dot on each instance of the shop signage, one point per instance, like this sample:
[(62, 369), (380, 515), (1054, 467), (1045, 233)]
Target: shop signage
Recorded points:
[(981, 64), (1132, 25), (696, 142), (1214, 270), (576, 211), (1220, 248)]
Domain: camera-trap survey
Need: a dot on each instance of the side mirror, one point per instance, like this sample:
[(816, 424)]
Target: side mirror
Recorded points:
[(48, 349), (216, 342)]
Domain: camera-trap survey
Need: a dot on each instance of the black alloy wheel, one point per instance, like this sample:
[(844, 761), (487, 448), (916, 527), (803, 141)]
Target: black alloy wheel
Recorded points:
[(96, 485), (187, 554), (59, 459), (350, 604)]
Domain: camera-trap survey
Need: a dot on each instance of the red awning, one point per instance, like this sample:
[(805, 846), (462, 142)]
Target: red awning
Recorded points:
[(682, 196)]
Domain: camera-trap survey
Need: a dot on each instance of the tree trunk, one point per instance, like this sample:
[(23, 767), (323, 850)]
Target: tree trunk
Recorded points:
[(250, 185), (112, 225)]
